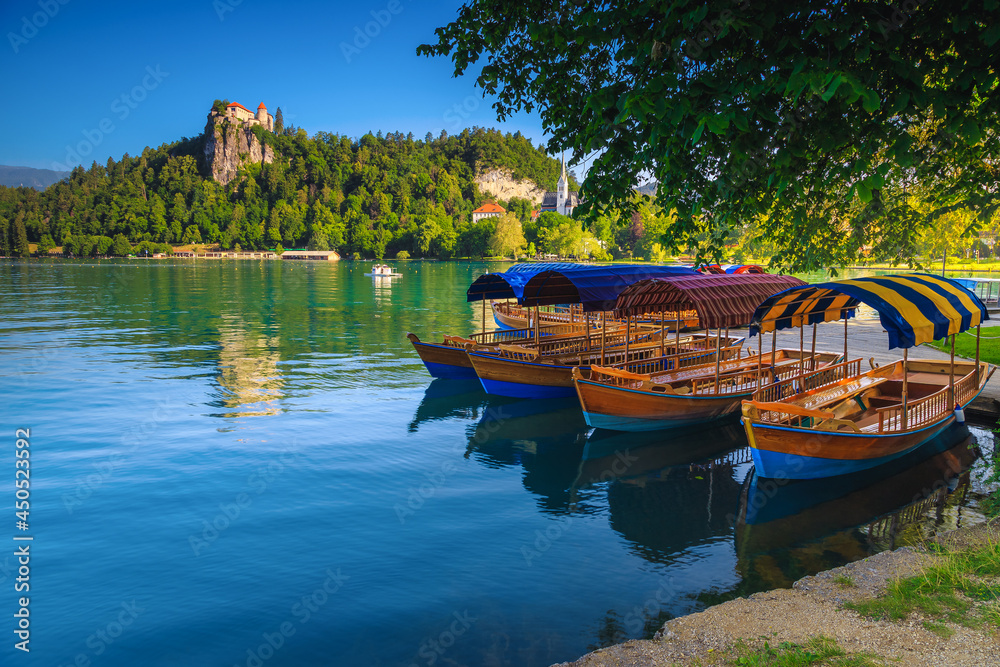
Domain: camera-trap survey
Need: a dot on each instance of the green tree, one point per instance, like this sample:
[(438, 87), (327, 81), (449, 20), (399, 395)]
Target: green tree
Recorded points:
[(819, 117), (279, 121), (44, 245), (192, 235), (121, 247), (507, 237), (4, 237), (318, 240), (402, 254), (19, 247)]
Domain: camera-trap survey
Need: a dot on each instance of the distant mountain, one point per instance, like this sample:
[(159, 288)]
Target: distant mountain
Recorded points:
[(39, 179), (648, 188)]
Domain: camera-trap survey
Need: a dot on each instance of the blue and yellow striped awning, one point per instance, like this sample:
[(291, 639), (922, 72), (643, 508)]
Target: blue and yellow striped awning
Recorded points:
[(914, 308)]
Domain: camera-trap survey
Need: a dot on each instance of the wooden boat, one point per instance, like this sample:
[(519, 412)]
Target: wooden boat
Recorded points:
[(840, 420), (523, 373), (450, 359), (513, 316), (637, 397), (625, 400)]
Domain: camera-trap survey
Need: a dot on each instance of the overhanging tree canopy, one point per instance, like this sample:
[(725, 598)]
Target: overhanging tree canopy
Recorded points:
[(817, 122)]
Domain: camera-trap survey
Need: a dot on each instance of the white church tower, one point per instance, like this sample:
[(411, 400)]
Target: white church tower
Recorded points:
[(562, 190)]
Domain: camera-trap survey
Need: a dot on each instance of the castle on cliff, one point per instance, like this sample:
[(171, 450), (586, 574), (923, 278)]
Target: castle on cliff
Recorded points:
[(238, 112)]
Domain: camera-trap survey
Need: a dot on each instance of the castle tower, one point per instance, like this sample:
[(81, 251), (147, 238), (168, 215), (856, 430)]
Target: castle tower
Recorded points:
[(562, 190), (263, 117)]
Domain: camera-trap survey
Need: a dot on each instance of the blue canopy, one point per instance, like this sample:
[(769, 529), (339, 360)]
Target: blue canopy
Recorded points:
[(509, 284), (913, 308), (596, 287)]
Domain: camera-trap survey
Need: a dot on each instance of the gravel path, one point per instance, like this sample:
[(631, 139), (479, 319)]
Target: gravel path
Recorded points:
[(814, 607)]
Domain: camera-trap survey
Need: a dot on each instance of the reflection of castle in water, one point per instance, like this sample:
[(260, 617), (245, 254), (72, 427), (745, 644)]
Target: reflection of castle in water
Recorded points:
[(249, 381)]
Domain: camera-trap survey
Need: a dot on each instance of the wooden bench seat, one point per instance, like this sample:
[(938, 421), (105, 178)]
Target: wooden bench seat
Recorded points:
[(837, 393)]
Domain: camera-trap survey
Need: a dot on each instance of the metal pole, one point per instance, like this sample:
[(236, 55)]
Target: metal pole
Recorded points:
[(536, 326), (604, 332), (978, 326), (484, 317), (774, 344), (802, 353), (677, 334), (663, 332), (760, 355), (718, 346), (812, 354), (628, 334), (845, 335), (951, 381), (905, 397)]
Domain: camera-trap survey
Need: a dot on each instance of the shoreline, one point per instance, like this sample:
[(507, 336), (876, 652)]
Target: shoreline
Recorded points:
[(815, 607)]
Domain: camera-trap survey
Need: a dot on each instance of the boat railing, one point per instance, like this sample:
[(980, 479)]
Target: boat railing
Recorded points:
[(527, 335), (744, 381), (686, 358), (776, 391), (928, 409)]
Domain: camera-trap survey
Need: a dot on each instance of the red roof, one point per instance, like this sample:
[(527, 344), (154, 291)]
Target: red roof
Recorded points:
[(261, 106), (490, 208), (237, 104)]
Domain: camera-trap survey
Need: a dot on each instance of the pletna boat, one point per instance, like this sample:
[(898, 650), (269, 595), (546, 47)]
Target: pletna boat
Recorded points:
[(642, 397), (841, 419)]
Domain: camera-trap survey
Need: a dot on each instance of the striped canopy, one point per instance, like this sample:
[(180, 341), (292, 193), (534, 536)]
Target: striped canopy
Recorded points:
[(914, 308), (720, 300)]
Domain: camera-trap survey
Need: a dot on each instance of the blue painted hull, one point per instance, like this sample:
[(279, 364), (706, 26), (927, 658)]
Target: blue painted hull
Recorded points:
[(450, 372), (638, 424), (519, 390), (781, 465)]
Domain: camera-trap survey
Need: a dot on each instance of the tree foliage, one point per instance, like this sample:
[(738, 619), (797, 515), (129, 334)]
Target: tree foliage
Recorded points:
[(373, 196), (813, 119)]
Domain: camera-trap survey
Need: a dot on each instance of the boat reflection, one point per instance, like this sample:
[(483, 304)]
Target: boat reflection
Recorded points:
[(615, 454), (545, 437), (448, 399), (788, 530)]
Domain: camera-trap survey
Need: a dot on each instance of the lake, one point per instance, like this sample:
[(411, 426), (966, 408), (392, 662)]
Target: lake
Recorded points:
[(245, 463)]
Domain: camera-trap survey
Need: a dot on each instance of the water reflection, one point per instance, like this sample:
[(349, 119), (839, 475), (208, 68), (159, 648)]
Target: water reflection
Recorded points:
[(249, 381), (546, 437), (614, 454), (447, 399), (784, 531)]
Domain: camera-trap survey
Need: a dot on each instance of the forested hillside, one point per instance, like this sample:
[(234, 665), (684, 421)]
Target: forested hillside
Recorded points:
[(375, 196)]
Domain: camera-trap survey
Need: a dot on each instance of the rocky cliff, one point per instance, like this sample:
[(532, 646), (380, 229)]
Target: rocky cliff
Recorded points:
[(229, 146), (500, 183)]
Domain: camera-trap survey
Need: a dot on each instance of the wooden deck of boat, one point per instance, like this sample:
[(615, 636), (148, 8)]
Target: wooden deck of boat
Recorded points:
[(867, 339)]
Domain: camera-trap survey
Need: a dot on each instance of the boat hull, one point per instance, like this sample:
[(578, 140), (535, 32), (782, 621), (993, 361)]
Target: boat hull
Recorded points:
[(781, 452), (444, 361), (623, 409), (521, 379)]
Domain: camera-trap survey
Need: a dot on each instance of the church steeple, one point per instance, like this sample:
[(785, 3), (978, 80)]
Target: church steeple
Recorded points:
[(562, 189)]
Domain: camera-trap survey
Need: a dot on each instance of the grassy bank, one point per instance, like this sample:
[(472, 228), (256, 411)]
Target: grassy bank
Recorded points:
[(965, 345)]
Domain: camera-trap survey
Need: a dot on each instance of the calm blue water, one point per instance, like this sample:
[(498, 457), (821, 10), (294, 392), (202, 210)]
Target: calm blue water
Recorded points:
[(244, 463)]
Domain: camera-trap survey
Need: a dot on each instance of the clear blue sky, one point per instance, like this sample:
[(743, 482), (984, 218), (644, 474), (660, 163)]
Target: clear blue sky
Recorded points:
[(66, 64)]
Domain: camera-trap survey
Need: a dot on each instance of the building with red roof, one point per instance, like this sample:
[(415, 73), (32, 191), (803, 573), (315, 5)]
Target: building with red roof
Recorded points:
[(239, 112), (488, 210)]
